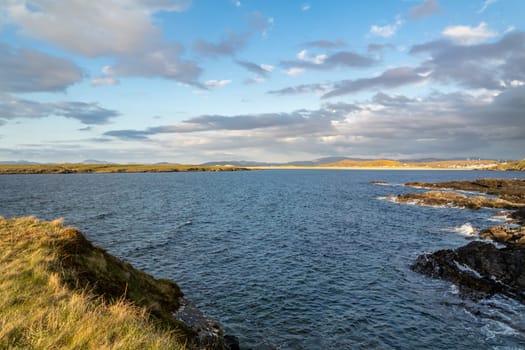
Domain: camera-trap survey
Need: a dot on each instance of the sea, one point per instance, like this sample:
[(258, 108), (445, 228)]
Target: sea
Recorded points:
[(288, 259)]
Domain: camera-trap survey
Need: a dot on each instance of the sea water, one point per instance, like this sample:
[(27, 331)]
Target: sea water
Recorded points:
[(293, 259)]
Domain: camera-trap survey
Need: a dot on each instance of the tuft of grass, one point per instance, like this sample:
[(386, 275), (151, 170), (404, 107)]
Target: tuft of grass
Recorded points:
[(57, 291)]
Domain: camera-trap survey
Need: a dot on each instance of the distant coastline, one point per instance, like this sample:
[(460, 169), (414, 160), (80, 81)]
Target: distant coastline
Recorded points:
[(386, 164), (346, 164), (11, 169)]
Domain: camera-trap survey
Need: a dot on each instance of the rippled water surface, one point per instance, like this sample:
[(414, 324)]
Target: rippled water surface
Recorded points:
[(298, 259)]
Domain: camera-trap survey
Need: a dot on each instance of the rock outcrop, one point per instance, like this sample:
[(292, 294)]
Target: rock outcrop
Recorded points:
[(454, 199), (480, 269), (512, 190), (504, 234)]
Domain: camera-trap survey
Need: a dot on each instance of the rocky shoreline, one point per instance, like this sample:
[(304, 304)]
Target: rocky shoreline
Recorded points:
[(480, 268)]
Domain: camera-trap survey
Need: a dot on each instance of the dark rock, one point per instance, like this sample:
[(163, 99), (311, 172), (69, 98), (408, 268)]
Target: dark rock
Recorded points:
[(512, 190), (454, 199), (231, 342), (519, 216), (209, 333), (479, 269)]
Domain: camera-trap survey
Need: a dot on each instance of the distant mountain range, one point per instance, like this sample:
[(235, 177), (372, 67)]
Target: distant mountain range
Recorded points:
[(337, 161), (17, 162), (315, 162), (87, 161), (330, 161)]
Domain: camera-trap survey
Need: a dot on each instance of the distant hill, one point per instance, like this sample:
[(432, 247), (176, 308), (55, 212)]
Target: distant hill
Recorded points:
[(94, 161), (374, 163), (240, 163), (17, 162), (315, 162), (429, 163)]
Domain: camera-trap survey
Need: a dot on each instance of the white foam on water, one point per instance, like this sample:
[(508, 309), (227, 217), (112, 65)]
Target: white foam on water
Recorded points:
[(466, 229), (497, 328), (467, 269), (392, 199), (500, 218)]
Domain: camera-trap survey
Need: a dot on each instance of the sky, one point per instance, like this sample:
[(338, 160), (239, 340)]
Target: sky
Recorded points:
[(181, 81)]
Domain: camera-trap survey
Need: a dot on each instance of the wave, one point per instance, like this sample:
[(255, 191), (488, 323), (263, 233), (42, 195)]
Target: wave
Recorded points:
[(501, 217), (466, 229), (390, 184)]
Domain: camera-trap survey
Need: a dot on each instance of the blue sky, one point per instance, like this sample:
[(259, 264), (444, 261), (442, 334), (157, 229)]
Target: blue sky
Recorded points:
[(271, 80)]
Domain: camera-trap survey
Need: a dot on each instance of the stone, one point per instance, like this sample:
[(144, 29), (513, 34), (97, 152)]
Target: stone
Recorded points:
[(209, 333), (231, 342), (480, 269)]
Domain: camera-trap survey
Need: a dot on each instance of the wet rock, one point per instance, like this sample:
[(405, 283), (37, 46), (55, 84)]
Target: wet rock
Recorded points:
[(479, 269), (519, 216), (454, 199), (231, 342), (512, 190), (209, 333)]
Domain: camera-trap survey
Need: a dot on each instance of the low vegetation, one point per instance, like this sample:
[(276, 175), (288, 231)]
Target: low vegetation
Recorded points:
[(387, 163), (58, 291), (518, 165), (106, 168)]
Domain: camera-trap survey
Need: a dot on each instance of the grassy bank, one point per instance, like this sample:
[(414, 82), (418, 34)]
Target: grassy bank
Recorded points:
[(59, 291), (518, 165), (107, 168)]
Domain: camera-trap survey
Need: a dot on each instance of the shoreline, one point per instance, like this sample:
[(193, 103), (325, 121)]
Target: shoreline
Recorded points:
[(36, 169), (352, 168), (480, 268), (60, 290)]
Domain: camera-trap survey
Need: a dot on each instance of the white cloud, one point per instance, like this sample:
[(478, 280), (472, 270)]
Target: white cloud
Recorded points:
[(486, 4), (294, 71), (107, 70), (101, 81), (302, 55), (305, 7), (318, 59), (91, 28), (107, 78), (267, 67), (217, 83), (467, 35), (165, 63), (388, 30)]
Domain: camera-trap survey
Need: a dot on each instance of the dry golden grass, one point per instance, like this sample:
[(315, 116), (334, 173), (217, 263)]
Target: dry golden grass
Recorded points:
[(518, 165), (38, 310), (394, 164), (380, 163)]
